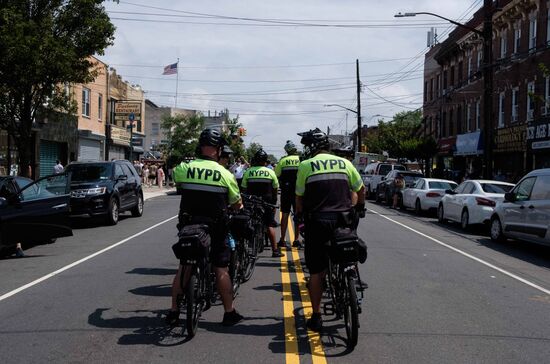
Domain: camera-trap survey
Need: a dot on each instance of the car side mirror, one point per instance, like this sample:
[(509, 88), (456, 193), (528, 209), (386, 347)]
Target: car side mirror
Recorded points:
[(450, 192), (122, 177), (3, 202), (510, 197)]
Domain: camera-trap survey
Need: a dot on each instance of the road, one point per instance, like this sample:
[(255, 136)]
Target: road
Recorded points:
[(435, 295)]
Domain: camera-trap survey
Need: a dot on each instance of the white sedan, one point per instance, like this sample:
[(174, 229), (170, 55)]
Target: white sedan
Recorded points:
[(473, 202), (426, 194)]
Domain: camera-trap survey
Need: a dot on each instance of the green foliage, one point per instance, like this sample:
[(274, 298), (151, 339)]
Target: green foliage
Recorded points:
[(182, 134), (251, 150), (393, 136), (45, 44), (235, 142)]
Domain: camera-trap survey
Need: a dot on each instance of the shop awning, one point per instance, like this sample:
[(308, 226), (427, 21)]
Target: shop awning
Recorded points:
[(469, 144), (138, 150)]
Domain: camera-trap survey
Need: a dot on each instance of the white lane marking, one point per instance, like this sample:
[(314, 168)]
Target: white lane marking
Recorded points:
[(52, 274), (505, 272)]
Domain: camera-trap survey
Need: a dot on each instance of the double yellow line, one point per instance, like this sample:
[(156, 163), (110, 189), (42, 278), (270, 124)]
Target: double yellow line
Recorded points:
[(291, 338)]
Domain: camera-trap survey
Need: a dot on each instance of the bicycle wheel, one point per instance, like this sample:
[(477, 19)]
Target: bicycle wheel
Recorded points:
[(249, 256), (351, 314), (259, 238), (193, 307), (234, 271)]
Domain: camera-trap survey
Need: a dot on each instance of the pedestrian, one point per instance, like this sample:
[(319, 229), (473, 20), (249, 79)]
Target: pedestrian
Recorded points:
[(138, 168), (152, 174), (58, 168), (238, 170), (145, 175), (398, 186), (160, 176)]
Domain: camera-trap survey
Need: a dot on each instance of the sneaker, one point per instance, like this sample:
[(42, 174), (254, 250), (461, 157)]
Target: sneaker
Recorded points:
[(297, 244), (315, 323), (19, 253), (231, 318), (281, 244), (277, 254), (172, 318)]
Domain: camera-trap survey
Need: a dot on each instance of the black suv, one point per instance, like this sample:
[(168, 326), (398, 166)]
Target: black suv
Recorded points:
[(105, 188)]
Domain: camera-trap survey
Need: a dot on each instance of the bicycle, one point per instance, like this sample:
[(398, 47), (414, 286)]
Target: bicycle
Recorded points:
[(193, 249), (259, 207), (344, 286)]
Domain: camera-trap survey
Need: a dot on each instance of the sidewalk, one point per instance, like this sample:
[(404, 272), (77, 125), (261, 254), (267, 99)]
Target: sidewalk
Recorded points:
[(150, 192)]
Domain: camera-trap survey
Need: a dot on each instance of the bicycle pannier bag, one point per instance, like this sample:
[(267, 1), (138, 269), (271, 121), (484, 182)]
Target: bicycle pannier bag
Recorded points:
[(193, 243), (344, 246), (241, 226)]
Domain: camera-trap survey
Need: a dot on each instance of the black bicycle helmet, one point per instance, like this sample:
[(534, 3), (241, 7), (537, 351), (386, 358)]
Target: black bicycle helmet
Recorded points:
[(290, 147), (344, 152), (315, 140), (211, 137), (226, 151), (260, 158)]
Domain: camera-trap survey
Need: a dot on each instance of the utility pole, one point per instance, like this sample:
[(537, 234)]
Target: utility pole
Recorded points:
[(488, 89), (359, 128)]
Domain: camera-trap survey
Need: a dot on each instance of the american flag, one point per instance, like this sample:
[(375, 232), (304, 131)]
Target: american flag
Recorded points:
[(171, 69)]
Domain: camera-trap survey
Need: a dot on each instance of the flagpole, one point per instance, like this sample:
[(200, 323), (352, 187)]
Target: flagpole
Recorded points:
[(177, 82)]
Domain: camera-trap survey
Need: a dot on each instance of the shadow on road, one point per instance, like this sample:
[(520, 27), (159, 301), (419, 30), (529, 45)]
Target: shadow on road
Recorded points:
[(153, 271), (277, 287), (160, 290)]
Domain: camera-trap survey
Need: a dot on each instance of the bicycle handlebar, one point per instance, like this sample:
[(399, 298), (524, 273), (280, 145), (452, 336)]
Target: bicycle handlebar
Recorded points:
[(257, 200)]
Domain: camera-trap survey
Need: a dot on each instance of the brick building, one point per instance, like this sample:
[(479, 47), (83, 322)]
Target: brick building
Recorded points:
[(453, 92)]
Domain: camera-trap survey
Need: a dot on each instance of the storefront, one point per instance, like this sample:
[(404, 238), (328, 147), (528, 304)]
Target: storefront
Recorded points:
[(509, 153), (445, 161), (118, 143), (538, 143), (90, 146), (468, 157)]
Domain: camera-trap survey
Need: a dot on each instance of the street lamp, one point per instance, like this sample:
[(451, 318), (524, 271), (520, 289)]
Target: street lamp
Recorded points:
[(487, 36), (356, 112)]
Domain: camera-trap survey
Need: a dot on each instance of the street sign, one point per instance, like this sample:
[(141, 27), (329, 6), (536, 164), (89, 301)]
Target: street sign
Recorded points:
[(132, 116)]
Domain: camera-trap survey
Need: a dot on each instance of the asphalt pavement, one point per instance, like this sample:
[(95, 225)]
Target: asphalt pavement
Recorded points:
[(435, 295)]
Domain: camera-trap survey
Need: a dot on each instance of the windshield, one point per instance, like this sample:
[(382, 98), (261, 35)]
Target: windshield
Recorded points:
[(399, 168), (90, 172), (410, 178), (495, 188), (439, 185)]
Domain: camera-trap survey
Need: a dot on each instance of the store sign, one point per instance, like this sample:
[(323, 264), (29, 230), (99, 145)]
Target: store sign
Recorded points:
[(512, 139), (137, 142), (538, 136), (125, 110), (447, 145), (120, 135)]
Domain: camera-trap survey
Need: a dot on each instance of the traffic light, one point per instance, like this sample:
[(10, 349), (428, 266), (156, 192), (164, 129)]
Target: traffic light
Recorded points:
[(241, 132)]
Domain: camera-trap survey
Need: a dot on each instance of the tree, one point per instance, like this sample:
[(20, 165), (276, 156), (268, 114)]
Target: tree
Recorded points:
[(182, 134), (251, 151), (235, 142), (391, 136), (44, 45)]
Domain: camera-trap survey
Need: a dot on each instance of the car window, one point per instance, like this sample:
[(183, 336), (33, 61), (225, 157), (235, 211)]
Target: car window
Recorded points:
[(90, 172), (22, 182), (523, 189), (118, 171), (419, 184), (496, 188), (399, 168), (127, 171), (45, 188), (460, 188), (384, 169), (440, 185), (410, 178), (7, 189), (541, 189), (469, 188)]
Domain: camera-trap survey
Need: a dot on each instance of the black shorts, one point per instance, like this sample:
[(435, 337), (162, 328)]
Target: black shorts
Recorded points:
[(288, 200), (317, 234), (220, 251)]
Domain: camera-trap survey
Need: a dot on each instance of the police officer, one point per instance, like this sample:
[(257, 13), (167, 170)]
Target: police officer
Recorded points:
[(327, 187), (261, 181), (225, 156), (286, 170), (207, 191)]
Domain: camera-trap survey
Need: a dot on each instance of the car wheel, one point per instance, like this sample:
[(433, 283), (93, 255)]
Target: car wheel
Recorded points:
[(496, 231), (113, 213), (465, 220), (137, 211), (441, 214), (418, 207)]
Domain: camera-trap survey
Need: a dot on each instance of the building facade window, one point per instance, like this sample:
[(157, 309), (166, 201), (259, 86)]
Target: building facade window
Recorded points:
[(517, 36), (530, 101), (479, 57), (100, 107), (425, 91), (431, 89), (155, 129), (85, 102), (445, 80), (503, 44), (469, 68), (451, 122), (501, 100), (439, 85), (468, 117), (515, 104), (460, 72), (459, 120), (478, 114), (532, 32), (453, 72)]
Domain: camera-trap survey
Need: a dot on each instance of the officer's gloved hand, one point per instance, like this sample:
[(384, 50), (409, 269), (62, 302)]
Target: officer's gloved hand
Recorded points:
[(360, 210)]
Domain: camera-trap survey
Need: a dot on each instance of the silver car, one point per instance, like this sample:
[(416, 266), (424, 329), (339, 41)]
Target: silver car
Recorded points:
[(525, 212)]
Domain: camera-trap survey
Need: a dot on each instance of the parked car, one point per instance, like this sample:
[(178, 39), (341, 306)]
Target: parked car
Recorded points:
[(386, 188), (472, 202), (105, 189), (34, 212), (378, 171), (525, 212), (426, 194)]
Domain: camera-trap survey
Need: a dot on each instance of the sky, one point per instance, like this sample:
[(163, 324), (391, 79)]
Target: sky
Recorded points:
[(277, 64)]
